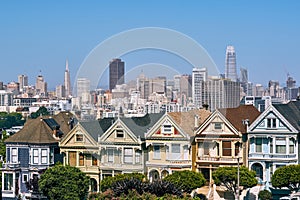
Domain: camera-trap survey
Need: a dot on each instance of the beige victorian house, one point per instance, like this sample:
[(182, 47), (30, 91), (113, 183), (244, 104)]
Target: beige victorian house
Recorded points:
[(168, 143), (80, 149), (221, 139)]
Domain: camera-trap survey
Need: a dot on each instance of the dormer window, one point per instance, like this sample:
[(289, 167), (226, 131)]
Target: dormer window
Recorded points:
[(79, 137), (167, 129), (119, 133), (218, 126), (271, 123)]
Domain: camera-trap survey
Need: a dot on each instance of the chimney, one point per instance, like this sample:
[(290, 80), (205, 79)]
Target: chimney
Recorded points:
[(196, 117)]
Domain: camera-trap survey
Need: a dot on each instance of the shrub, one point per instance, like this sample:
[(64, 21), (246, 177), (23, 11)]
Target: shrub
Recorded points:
[(265, 195)]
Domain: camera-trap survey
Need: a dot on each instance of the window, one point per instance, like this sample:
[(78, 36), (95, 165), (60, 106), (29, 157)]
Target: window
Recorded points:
[(175, 151), (25, 178), (167, 128), (14, 155), (128, 155), (226, 148), (35, 156), (137, 156), (119, 134), (94, 160), (79, 137), (258, 145), (206, 148), (271, 123), (281, 145), (51, 155), (185, 152), (81, 159), (292, 146), (271, 145), (218, 126), (237, 148), (156, 152), (72, 158), (110, 155), (44, 156), (8, 181)]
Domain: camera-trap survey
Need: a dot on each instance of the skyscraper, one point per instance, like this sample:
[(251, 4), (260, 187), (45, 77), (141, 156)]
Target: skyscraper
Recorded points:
[(244, 80), (230, 64), (199, 76), (41, 86), (116, 73), (23, 81), (67, 81), (83, 87)]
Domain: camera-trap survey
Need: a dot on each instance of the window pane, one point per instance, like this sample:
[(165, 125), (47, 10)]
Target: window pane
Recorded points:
[(258, 145), (110, 155), (137, 156), (128, 155), (8, 181), (35, 156), (44, 156), (175, 151), (226, 148), (281, 149), (81, 159), (156, 152)]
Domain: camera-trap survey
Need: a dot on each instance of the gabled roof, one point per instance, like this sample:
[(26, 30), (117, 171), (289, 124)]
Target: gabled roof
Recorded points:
[(35, 131), (140, 125), (96, 128), (186, 120), (236, 116), (291, 112)]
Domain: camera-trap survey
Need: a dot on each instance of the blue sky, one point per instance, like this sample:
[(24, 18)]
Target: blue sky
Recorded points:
[(41, 35)]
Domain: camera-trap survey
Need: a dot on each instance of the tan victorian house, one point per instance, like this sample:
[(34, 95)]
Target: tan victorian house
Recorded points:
[(221, 139), (168, 143), (80, 149)]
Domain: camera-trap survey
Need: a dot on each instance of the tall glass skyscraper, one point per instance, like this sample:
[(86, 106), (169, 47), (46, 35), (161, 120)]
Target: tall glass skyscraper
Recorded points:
[(230, 64), (116, 73)]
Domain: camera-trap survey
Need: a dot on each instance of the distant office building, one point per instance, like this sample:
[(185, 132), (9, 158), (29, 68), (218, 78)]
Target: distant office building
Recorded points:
[(221, 93), (6, 98), (158, 84), (273, 88), (13, 87), (116, 73), (258, 90), (60, 91), (199, 76), (67, 81), (186, 85), (23, 81), (230, 64), (290, 82), (143, 86), (177, 79), (83, 86), (41, 86), (1, 85), (244, 80)]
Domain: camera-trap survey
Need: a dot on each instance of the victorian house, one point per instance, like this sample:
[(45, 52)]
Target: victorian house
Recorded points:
[(221, 140), (168, 143), (31, 151), (274, 140)]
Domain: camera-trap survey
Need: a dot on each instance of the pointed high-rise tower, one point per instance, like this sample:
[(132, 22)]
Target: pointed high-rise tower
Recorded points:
[(67, 81), (230, 64)]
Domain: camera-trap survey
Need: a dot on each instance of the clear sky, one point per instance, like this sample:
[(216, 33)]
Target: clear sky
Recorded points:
[(41, 35)]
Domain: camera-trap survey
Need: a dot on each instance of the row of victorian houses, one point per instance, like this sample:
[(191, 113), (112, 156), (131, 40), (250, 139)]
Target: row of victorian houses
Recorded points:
[(156, 144)]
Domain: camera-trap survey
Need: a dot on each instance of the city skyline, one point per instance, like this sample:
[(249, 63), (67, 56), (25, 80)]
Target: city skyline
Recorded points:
[(42, 39)]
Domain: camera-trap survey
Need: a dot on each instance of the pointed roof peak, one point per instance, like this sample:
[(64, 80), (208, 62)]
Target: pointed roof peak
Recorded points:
[(67, 65)]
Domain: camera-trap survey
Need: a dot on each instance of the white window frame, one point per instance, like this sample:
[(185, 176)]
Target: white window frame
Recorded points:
[(44, 156), (138, 156), (79, 134), (14, 155), (121, 132), (35, 155), (11, 186), (128, 155)]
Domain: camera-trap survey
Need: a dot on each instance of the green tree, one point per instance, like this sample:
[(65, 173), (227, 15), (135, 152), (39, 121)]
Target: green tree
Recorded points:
[(42, 111), (227, 176), (64, 183), (7, 120), (287, 176), (265, 195), (186, 180)]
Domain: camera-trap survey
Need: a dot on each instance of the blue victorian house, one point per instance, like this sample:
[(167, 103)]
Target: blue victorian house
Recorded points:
[(31, 151), (273, 138)]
